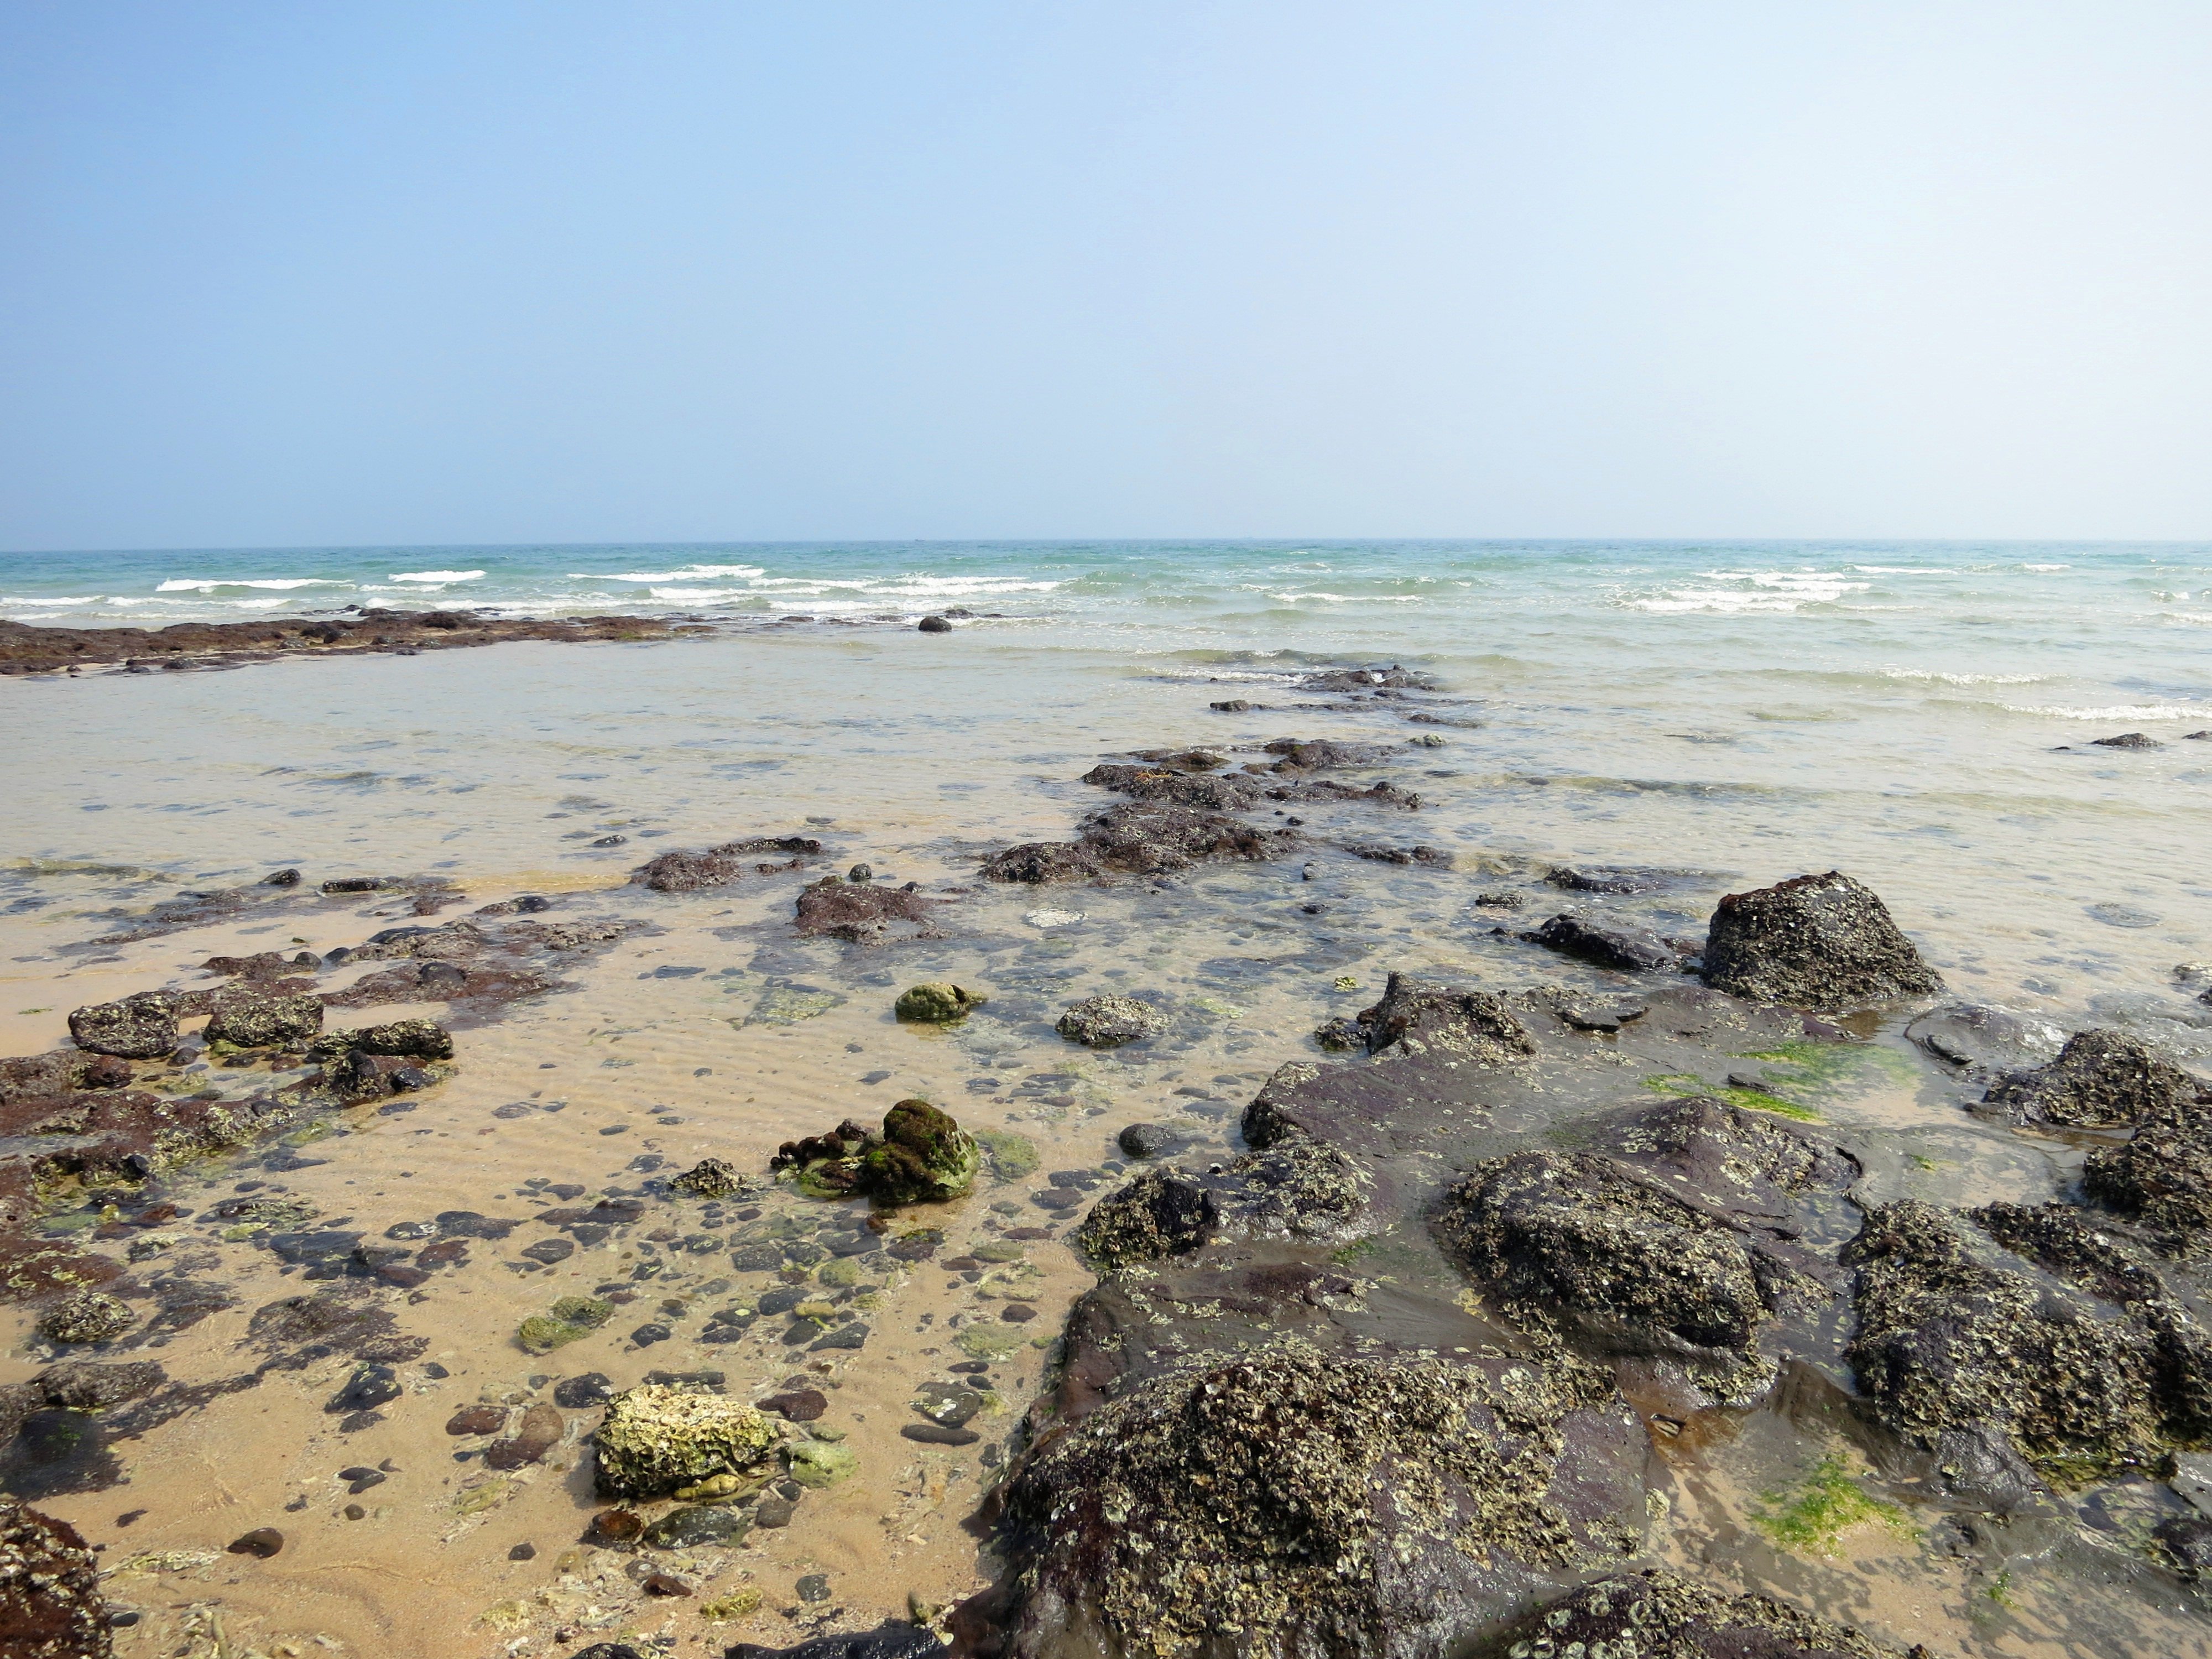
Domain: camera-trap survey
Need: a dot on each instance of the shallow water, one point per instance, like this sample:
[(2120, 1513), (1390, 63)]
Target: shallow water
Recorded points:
[(1731, 730)]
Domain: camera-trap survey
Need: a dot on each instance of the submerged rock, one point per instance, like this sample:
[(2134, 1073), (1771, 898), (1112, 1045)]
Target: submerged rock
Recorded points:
[(1825, 942), (1984, 1039), (688, 871), (1288, 1502), (1419, 1017), (1107, 1022), (2101, 1079), (862, 913), (1184, 787), (50, 1602), (711, 1178), (141, 1027), (1657, 1614), (655, 1438), (939, 1002), (573, 1318)]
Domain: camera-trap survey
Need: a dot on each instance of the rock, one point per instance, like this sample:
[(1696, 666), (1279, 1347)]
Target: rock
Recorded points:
[(2129, 740), (83, 1385), (1623, 950), (414, 1039), (549, 1251), (141, 1027), (581, 1392), (1166, 783), (947, 1405), (1162, 1212), (1984, 1039), (1607, 881), (819, 1463), (1658, 1612), (2186, 1541), (1825, 942), (1147, 1141), (698, 1526), (50, 1602), (1419, 1017), (933, 624), (86, 1317), (924, 1157), (1341, 1035), (370, 1385), (1321, 754), (930, 1435), (1358, 1507), (261, 1543), (2163, 1176), (1107, 1022), (616, 1527), (1040, 862), (711, 1178), (2101, 1079), (477, 1419), (1575, 1242), (774, 1513), (573, 1317), (541, 1431), (1950, 1337), (797, 1405), (864, 913), (1230, 705), (247, 1021), (936, 1003), (688, 871), (655, 1438), (282, 878)]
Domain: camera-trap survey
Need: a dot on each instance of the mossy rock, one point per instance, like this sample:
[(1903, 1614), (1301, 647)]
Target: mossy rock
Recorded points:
[(654, 1439), (924, 1157), (992, 1342), (939, 1002), (818, 1463), (573, 1317)]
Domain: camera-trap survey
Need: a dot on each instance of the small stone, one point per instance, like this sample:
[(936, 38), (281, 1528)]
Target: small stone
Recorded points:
[(354, 1512), (861, 873), (938, 1002), (711, 1178), (523, 1552), (799, 1405), (86, 1317), (815, 1587), (261, 1543), (774, 1513), (616, 1526), (1146, 1139), (696, 1526), (930, 1435), (579, 1393)]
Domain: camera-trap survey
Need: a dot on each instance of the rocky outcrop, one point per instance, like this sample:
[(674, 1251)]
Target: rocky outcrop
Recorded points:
[(1108, 1022), (1825, 942), (685, 870), (2162, 1176), (1292, 1502), (25, 649), (2101, 1080)]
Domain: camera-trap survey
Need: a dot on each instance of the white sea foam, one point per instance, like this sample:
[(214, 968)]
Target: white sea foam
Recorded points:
[(2046, 567), (1760, 591), (195, 585), (689, 573), (1961, 679), (1906, 569), (434, 575), (693, 593), (89, 598), (2118, 711)]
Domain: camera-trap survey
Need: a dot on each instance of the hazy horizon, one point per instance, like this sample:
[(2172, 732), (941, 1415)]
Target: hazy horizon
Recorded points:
[(568, 276)]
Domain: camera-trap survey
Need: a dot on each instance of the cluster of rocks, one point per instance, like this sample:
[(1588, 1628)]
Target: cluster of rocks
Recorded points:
[(921, 1156), (28, 649)]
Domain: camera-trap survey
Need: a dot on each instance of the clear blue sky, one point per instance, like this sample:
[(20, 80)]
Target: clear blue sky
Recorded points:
[(342, 274)]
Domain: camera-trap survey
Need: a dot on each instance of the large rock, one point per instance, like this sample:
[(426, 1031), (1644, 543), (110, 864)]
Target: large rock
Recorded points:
[(247, 1021), (1823, 942), (1954, 1336), (141, 1027), (1286, 1502), (2101, 1080), (1578, 1243), (49, 1604), (1656, 1614), (1107, 1022), (655, 1438)]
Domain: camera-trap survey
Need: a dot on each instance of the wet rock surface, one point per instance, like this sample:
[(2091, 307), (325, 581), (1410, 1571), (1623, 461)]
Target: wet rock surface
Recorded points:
[(25, 649), (1825, 942), (1108, 1022), (695, 871), (865, 913), (1623, 950), (2101, 1079), (1663, 1615)]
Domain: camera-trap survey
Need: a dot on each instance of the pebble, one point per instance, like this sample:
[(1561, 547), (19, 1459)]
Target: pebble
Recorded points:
[(261, 1543)]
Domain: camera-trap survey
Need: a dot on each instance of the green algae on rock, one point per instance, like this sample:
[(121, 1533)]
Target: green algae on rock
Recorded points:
[(655, 1438), (924, 1157), (938, 1002), (818, 1463), (573, 1317)]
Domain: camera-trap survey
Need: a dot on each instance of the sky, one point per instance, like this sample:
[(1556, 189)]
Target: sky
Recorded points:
[(275, 274)]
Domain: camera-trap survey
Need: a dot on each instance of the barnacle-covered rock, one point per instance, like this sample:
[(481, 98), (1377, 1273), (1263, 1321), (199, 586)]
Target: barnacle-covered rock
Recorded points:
[(655, 1438), (1825, 942)]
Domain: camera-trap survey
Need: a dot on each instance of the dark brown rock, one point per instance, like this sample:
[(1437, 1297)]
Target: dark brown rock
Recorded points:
[(1623, 950), (864, 913), (1825, 942), (261, 1543), (688, 871), (2101, 1079), (50, 1602), (141, 1027)]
